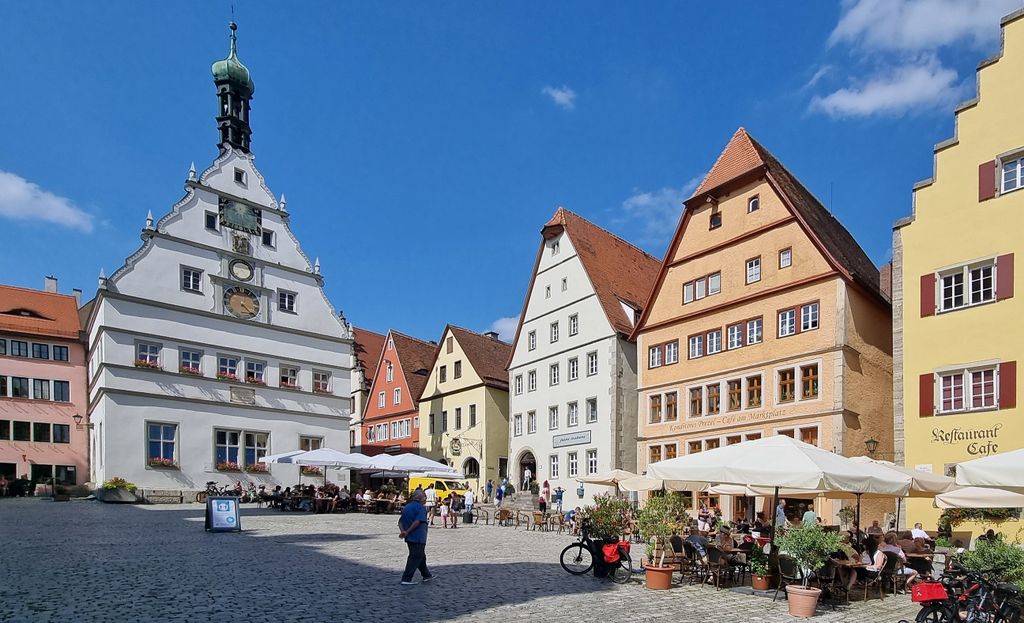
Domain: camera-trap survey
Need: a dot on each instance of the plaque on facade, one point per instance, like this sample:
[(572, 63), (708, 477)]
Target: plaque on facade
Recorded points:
[(570, 439), (243, 395)]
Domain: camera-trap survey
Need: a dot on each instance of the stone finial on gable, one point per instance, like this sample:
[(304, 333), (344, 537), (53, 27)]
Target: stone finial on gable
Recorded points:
[(283, 203), (316, 266), (102, 280), (192, 172), (149, 220)]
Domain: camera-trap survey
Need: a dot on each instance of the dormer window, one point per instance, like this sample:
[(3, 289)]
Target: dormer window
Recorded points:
[(554, 248), (753, 204), (240, 177)]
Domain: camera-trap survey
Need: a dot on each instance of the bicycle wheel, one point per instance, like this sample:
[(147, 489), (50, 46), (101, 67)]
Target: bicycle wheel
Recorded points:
[(622, 571), (201, 497), (934, 613), (577, 559)]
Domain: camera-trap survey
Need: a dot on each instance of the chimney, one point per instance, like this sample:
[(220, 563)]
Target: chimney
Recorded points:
[(50, 283), (77, 292), (492, 334)]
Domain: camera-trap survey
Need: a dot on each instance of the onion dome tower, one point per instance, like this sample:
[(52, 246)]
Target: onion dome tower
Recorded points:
[(234, 90)]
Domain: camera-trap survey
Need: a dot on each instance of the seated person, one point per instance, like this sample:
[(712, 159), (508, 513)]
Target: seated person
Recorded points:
[(918, 532), (874, 560), (889, 546), (699, 543), (875, 530)]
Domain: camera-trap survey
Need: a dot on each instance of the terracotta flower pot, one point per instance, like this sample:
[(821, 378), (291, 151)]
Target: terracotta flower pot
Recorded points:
[(802, 600), (658, 578), (760, 582)]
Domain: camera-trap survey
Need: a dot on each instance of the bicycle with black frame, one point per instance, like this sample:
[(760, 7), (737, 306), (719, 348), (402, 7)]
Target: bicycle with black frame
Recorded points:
[(580, 557)]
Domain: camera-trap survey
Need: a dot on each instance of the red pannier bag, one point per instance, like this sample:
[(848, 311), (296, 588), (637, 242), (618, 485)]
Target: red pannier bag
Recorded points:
[(624, 546), (611, 552), (928, 591)]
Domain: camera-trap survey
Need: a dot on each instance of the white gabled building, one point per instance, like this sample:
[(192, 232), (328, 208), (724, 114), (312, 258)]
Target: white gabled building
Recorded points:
[(573, 370), (215, 344)]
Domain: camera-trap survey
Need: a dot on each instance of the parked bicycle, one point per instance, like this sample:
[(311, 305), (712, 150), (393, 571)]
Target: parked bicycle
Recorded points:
[(213, 490), (579, 557), (963, 595)]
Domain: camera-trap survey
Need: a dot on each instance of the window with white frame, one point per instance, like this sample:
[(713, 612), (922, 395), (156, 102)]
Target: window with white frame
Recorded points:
[(734, 335), (531, 340), (753, 204), (574, 368), (591, 462), (701, 287), (381, 399), (390, 372), (1012, 174), (286, 301), (714, 341), (672, 352), (573, 411), (786, 258), (256, 445), (591, 410), (191, 279), (254, 372), (755, 330), (227, 446), (553, 418), (967, 390), (147, 354), (574, 324), (696, 346), (321, 381), (554, 332), (531, 381), (591, 363), (573, 462), (289, 377), (531, 422), (787, 322), (809, 317), (191, 361), (754, 270), (60, 353), (714, 283), (518, 384), (307, 443), (227, 367), (553, 466), (553, 374), (980, 281), (398, 396), (654, 356), (162, 441)]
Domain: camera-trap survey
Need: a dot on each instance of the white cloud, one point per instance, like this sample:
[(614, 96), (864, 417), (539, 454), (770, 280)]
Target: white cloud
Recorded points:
[(919, 25), (505, 327), (657, 212), (22, 200), (908, 88), (562, 96), (823, 71)]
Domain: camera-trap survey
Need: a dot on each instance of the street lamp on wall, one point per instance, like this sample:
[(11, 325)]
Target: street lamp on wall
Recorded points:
[(77, 418), (871, 444)]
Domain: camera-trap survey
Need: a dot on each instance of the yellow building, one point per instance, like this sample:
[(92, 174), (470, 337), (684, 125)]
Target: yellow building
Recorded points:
[(464, 406), (955, 344), (767, 319)]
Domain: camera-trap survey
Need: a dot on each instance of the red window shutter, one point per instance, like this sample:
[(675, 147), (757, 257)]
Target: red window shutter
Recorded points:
[(986, 180), (928, 295), (1007, 384), (1004, 277), (927, 395)]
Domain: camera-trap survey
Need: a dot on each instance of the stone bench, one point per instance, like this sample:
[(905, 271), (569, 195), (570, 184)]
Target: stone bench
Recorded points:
[(163, 496)]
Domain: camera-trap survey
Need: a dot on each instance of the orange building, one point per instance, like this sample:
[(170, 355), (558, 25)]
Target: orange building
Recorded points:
[(391, 421), (767, 319)]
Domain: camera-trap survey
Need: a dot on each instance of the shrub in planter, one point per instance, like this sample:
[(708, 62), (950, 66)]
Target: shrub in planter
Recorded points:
[(810, 547), (257, 468), (658, 520), (534, 487), (606, 520), (227, 466), (997, 554), (190, 371), (162, 463), (760, 573), (227, 376), (142, 363), (119, 483)]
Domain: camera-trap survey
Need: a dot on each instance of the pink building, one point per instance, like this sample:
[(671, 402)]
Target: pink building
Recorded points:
[(42, 387)]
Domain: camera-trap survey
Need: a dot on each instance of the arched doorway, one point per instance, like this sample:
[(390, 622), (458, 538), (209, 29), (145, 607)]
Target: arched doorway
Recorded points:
[(471, 468), (526, 462)]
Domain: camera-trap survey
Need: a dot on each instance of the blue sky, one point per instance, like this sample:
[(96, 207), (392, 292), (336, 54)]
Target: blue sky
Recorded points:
[(422, 145)]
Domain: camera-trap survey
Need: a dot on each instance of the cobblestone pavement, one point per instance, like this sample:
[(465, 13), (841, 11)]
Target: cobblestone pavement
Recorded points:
[(88, 561)]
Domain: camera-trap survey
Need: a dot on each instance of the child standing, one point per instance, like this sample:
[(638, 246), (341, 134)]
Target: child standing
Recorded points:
[(444, 513)]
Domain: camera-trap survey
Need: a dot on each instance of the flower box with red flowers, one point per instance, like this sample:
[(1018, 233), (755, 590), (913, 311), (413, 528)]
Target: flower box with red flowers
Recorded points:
[(163, 463), (311, 471), (190, 371), (257, 468), (252, 380), (321, 390), (142, 363), (228, 467), (287, 385), (227, 376)]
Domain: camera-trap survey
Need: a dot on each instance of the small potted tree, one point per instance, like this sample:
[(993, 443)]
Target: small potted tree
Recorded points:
[(810, 547), (658, 521), (607, 521), (760, 574)]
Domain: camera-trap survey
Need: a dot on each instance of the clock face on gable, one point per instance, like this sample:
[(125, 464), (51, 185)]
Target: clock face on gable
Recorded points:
[(241, 303), (240, 216)]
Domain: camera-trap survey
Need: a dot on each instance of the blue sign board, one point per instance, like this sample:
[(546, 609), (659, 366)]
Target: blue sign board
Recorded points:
[(222, 514)]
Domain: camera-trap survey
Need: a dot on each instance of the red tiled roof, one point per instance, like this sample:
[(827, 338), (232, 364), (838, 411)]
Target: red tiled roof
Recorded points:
[(739, 156), (415, 356), (617, 269), (487, 355), (36, 312), (367, 346)]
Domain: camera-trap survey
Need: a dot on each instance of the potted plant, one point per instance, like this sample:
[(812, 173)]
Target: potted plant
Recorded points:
[(227, 376), (190, 371), (760, 574), (117, 490), (810, 547), (228, 466), (144, 363), (846, 515), (162, 463), (256, 468), (658, 520)]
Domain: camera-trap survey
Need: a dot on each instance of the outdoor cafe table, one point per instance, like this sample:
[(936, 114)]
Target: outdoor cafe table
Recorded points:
[(848, 563)]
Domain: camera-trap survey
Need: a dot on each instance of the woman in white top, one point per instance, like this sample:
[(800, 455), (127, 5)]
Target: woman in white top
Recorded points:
[(873, 558)]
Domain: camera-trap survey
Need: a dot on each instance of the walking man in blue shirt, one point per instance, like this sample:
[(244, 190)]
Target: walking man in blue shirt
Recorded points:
[(413, 528)]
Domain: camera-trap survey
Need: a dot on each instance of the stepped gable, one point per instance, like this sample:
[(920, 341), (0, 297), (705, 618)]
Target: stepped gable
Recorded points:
[(487, 355), (38, 312), (617, 269)]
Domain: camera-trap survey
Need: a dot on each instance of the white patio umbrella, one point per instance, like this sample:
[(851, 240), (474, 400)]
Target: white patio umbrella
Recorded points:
[(406, 462), (283, 457), (979, 497), (641, 483), (1003, 471), (781, 462), (328, 457), (608, 479)]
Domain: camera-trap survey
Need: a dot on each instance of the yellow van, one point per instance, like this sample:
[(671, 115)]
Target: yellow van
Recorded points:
[(443, 486)]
